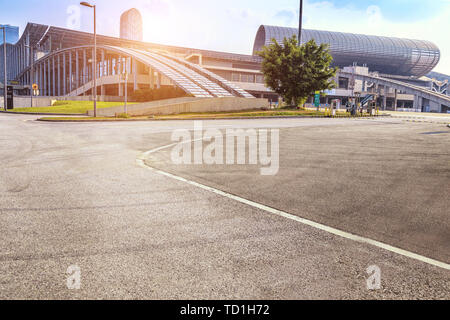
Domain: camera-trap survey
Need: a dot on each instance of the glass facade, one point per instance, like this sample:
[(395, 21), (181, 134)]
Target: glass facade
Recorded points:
[(131, 25), (383, 54)]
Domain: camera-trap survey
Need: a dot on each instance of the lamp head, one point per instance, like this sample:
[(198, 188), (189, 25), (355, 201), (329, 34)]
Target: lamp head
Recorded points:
[(86, 4)]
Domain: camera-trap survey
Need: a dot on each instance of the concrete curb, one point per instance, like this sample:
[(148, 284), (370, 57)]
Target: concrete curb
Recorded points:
[(100, 120), (46, 114), (425, 121), (209, 119)]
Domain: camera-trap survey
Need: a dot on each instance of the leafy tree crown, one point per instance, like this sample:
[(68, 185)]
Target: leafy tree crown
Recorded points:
[(297, 72)]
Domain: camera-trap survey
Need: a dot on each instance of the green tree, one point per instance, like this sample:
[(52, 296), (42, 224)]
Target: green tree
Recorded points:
[(297, 72)]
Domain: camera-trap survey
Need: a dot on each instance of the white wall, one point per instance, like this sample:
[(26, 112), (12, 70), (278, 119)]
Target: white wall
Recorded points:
[(25, 101)]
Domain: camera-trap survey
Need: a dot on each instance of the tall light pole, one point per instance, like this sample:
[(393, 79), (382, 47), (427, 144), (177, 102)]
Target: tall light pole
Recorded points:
[(94, 90), (5, 78), (300, 23)]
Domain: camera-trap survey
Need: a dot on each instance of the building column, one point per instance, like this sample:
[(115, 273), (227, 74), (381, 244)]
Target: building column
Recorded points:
[(28, 48), (94, 71), (396, 100), (44, 88), (59, 75), (40, 79), (49, 77), (19, 56), (77, 70), (119, 72), (102, 72), (135, 75), (70, 72), (158, 81), (53, 76), (152, 78), (84, 69), (64, 75)]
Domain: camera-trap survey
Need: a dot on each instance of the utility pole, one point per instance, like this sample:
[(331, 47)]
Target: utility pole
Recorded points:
[(300, 24), (5, 78)]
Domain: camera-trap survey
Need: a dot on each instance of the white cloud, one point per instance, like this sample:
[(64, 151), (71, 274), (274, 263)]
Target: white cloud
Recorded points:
[(374, 15)]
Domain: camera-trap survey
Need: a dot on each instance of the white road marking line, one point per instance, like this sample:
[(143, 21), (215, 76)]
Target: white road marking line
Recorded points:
[(141, 162)]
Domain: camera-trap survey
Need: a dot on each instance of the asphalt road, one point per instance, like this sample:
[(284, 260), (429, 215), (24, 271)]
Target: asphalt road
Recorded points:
[(73, 194)]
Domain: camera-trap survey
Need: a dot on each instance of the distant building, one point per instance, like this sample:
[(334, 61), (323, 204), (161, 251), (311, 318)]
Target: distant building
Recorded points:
[(131, 25), (12, 34)]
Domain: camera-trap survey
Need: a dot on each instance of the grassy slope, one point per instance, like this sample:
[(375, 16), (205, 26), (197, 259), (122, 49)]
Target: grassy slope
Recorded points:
[(72, 107)]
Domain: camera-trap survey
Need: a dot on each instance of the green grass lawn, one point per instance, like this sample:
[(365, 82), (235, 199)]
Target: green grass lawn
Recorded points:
[(245, 114), (205, 115), (70, 107)]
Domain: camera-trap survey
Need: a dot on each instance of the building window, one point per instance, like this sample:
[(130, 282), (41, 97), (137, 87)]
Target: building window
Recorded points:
[(236, 77)]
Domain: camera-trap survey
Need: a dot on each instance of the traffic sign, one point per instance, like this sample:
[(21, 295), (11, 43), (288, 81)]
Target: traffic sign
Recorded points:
[(317, 99)]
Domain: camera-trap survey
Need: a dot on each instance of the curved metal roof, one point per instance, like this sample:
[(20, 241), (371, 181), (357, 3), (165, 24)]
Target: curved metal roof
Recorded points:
[(193, 81), (383, 54)]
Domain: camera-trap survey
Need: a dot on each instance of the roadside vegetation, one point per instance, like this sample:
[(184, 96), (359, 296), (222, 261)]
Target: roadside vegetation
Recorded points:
[(284, 112), (297, 72), (70, 107)]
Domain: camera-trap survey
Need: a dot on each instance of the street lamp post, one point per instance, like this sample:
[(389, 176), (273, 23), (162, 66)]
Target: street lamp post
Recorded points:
[(94, 90), (300, 23), (5, 79)]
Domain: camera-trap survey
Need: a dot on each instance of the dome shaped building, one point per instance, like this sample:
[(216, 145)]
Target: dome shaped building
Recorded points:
[(387, 55)]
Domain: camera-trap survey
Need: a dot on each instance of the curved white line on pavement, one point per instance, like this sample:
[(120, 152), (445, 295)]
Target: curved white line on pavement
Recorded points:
[(141, 162)]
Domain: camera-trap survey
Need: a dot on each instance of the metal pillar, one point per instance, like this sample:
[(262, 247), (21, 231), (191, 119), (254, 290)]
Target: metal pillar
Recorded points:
[(300, 23)]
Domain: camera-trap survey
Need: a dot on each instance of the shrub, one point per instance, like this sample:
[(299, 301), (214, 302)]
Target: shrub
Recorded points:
[(123, 116), (59, 103)]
